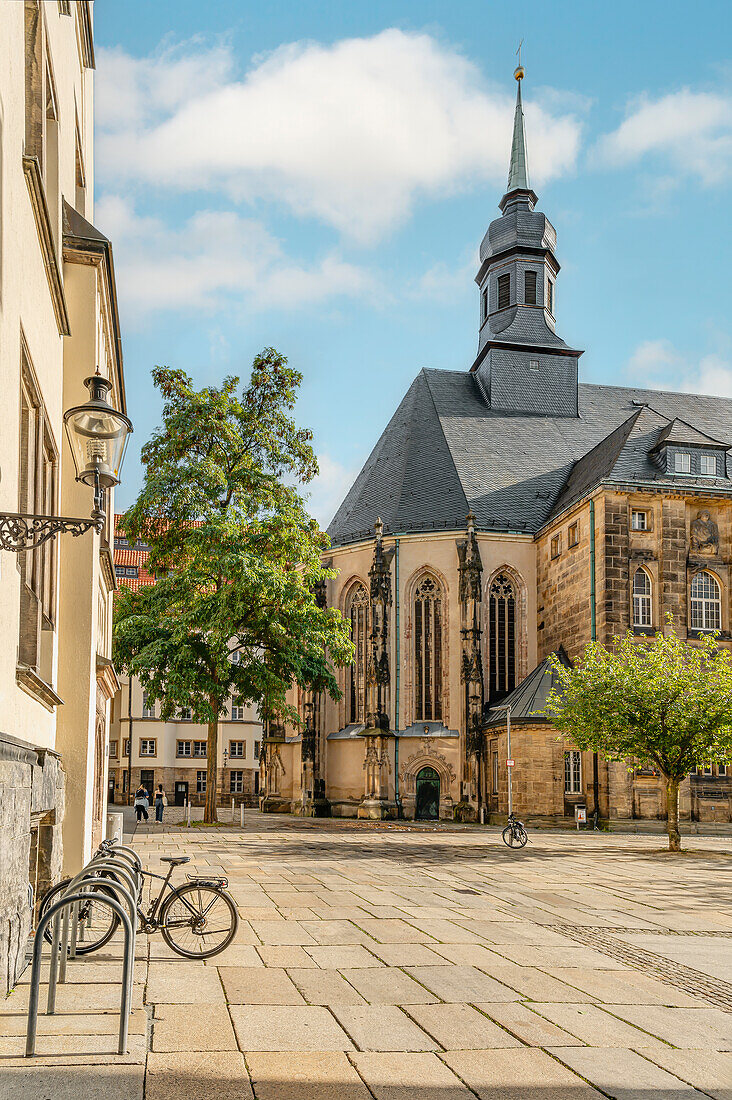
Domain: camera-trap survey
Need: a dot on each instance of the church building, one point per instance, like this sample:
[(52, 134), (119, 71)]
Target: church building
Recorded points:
[(509, 512)]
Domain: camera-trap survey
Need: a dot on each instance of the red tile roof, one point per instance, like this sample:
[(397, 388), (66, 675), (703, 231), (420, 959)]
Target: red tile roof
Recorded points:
[(126, 556)]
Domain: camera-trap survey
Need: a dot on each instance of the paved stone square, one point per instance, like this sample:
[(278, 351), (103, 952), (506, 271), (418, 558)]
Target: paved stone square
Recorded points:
[(399, 962)]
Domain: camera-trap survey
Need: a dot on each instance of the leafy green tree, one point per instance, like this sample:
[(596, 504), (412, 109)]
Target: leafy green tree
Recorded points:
[(236, 556), (662, 703)]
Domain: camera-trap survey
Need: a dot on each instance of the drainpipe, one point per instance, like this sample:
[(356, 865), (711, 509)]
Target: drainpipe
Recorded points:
[(129, 757), (593, 635), (396, 679)]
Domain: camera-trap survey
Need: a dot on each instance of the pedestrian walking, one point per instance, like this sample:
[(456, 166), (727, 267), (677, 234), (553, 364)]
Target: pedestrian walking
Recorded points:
[(142, 802), (160, 802)]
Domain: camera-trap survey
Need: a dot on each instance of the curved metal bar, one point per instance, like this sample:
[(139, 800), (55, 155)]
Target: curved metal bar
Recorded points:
[(30, 1044), (118, 847), (89, 873), (115, 853), (109, 884)]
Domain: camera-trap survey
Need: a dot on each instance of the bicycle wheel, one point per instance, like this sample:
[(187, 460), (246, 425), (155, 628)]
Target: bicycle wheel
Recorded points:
[(198, 920), (514, 837), (99, 921), (521, 838)]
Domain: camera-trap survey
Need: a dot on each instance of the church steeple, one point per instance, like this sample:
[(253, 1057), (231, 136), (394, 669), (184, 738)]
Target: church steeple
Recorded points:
[(522, 365), (518, 169)]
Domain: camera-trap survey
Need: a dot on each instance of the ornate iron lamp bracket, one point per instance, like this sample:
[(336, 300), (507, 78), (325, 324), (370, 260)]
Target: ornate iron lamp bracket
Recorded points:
[(21, 531)]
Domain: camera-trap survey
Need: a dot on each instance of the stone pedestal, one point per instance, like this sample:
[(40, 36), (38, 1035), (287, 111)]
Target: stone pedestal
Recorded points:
[(377, 809), (275, 804)]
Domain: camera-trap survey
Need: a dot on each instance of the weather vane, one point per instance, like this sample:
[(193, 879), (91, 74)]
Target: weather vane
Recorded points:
[(519, 70)]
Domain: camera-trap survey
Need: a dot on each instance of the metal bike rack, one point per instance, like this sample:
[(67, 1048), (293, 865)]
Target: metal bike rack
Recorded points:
[(102, 870)]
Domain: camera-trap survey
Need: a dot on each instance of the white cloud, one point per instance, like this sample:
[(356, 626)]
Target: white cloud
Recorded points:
[(691, 130), (215, 259), (660, 366), (327, 490), (352, 133)]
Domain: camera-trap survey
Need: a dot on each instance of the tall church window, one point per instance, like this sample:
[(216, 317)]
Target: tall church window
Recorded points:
[(357, 611), (428, 651), (706, 603), (504, 291), (502, 636), (550, 296), (530, 288), (642, 610)]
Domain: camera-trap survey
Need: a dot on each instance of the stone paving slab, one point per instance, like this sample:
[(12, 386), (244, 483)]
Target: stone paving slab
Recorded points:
[(196, 1076), (523, 1021), (406, 1076), (258, 985), (183, 983), (460, 984), (526, 1074), (712, 1075), (624, 1074), (461, 1027), (701, 1028), (209, 1028), (382, 1027), (100, 1082), (320, 1076), (387, 985), (270, 1028)]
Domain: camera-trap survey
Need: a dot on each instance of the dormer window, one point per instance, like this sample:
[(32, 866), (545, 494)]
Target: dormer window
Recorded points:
[(504, 291), (708, 465), (682, 462), (530, 288)]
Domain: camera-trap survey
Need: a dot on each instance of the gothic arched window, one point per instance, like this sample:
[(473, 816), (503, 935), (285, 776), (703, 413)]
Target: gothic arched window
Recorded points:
[(357, 611), (642, 592), (428, 651), (502, 636), (706, 603)]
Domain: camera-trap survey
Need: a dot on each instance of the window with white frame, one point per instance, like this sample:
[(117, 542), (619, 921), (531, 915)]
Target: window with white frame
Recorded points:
[(237, 748), (642, 599), (257, 745), (705, 611), (639, 519), (236, 782), (200, 782), (199, 748), (148, 707), (183, 748), (147, 746), (682, 462), (237, 709), (708, 465), (112, 748), (185, 714), (572, 772)]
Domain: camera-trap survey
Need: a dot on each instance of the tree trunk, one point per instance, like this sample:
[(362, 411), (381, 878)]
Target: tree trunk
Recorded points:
[(672, 815), (212, 772)]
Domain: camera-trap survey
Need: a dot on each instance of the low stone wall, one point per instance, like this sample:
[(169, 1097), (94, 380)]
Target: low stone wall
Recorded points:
[(31, 814)]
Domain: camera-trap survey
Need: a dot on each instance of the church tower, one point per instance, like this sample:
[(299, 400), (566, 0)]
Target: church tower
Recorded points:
[(522, 365)]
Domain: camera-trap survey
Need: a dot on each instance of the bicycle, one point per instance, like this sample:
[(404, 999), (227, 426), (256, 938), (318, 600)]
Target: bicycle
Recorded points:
[(185, 915), (514, 835)]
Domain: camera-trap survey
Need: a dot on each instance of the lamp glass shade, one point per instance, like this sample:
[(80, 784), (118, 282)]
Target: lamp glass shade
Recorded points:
[(98, 436)]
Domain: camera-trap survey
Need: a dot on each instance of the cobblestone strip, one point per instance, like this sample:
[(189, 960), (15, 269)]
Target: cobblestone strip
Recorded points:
[(681, 977)]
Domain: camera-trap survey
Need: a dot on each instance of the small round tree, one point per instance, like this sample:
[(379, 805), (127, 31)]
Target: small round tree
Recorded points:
[(661, 703)]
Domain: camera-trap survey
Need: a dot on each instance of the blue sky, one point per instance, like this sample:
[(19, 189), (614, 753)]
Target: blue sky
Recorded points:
[(318, 177)]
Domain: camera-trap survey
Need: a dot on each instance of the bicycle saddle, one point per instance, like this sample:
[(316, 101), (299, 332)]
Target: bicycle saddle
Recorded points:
[(175, 860)]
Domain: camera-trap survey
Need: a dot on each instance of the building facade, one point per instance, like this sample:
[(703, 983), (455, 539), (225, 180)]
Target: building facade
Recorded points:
[(144, 748), (507, 513), (58, 325)]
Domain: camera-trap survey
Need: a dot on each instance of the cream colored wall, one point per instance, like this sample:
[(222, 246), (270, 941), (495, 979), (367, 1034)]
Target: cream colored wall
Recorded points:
[(167, 733), (60, 364)]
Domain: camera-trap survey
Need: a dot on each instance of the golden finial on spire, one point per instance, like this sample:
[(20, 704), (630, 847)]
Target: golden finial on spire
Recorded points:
[(518, 72)]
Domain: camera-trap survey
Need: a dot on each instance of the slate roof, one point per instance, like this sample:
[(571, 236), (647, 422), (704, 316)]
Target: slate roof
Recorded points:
[(678, 431), (445, 452), (529, 698)]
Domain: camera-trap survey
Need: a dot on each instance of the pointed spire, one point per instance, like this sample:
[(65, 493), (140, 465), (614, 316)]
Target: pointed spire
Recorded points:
[(518, 172)]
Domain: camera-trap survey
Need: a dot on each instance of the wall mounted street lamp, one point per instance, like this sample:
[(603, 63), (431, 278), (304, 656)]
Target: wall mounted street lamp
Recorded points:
[(97, 435)]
